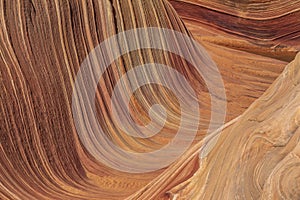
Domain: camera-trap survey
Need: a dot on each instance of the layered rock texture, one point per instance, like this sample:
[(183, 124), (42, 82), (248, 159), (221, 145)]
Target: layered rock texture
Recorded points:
[(254, 155)]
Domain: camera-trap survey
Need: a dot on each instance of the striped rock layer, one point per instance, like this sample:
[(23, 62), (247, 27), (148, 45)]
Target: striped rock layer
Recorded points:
[(42, 45)]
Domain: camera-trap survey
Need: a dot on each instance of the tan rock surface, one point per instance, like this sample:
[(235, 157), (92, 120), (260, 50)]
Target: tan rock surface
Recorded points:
[(256, 155)]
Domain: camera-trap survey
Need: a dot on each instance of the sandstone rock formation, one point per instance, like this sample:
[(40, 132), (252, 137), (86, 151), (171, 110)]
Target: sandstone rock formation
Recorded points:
[(256, 156)]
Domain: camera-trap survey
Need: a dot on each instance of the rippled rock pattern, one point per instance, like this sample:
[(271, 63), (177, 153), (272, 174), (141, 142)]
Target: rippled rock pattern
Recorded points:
[(254, 44)]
